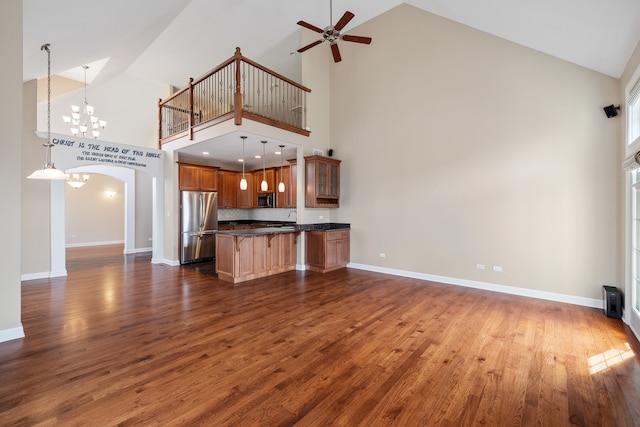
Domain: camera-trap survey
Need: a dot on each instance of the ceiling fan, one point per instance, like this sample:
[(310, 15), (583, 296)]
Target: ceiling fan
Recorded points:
[(332, 34)]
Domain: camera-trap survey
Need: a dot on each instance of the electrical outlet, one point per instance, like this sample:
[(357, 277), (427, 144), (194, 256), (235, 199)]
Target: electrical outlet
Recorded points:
[(321, 217), (497, 268), (480, 266), (383, 255)]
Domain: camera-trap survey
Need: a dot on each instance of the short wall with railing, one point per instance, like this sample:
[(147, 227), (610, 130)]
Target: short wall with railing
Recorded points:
[(236, 89)]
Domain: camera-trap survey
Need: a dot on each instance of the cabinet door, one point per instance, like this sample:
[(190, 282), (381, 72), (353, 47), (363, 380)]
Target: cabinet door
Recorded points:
[(228, 186), (208, 179), (322, 178), (189, 177), (334, 180), (283, 175), (245, 198), (269, 176)]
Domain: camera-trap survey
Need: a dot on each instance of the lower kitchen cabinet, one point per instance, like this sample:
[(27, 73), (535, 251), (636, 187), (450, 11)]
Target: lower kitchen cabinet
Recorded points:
[(327, 250)]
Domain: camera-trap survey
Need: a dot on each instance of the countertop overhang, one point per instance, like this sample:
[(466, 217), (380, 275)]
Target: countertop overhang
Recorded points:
[(293, 228)]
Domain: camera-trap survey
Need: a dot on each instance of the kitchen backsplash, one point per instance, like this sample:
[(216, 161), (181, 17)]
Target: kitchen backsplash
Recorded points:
[(266, 214)]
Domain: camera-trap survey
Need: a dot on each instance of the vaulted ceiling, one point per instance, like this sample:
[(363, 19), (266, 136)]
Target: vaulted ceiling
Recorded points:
[(171, 40)]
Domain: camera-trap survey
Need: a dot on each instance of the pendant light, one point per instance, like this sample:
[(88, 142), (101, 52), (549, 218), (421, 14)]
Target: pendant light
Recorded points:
[(48, 171), (264, 186), (243, 181), (281, 185)]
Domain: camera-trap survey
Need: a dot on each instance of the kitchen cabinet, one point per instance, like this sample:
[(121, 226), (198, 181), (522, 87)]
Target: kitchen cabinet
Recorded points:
[(245, 198), (241, 257), (322, 182), (269, 175), (228, 187), (327, 250), (288, 199), (197, 177)]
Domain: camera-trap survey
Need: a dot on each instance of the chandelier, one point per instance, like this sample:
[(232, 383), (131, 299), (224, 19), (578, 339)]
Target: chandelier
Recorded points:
[(82, 119), (76, 182)]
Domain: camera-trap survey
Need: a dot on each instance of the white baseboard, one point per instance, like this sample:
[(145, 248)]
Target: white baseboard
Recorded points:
[(169, 262), (43, 275), (532, 293), (137, 251), (81, 245), (11, 334)]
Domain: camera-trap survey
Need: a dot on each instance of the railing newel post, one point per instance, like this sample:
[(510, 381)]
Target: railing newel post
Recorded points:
[(190, 108), (159, 123), (237, 96)]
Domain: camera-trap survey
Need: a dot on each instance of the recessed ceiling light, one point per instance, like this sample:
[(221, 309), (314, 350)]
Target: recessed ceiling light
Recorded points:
[(206, 153), (241, 160), (258, 156), (278, 152)]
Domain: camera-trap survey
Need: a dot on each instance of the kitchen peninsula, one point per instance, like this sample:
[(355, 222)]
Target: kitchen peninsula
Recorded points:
[(249, 253)]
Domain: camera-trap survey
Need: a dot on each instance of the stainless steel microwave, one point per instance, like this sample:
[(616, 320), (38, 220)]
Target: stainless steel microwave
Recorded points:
[(267, 200)]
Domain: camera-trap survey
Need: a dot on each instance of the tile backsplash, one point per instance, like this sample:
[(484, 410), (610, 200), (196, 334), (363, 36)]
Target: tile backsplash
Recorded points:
[(267, 214)]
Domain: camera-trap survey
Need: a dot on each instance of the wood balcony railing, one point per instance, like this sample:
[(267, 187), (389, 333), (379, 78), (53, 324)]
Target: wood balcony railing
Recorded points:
[(236, 89)]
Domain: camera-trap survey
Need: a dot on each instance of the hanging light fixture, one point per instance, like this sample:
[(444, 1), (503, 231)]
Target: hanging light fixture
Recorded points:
[(264, 186), (243, 181), (48, 171), (83, 121), (76, 182), (281, 185)]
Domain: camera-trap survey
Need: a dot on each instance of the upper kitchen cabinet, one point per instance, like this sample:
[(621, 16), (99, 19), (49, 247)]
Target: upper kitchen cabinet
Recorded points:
[(245, 198), (268, 175), (322, 182), (288, 199), (197, 177), (228, 183)]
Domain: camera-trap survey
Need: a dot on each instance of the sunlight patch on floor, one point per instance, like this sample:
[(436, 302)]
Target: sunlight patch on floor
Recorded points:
[(609, 358)]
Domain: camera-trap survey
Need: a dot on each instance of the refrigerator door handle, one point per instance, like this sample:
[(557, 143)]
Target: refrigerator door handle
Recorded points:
[(201, 211)]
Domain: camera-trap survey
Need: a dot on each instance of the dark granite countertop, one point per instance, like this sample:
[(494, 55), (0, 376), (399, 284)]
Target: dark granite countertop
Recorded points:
[(275, 227), (259, 231)]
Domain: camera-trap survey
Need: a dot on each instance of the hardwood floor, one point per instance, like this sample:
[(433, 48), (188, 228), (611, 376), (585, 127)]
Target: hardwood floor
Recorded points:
[(135, 344)]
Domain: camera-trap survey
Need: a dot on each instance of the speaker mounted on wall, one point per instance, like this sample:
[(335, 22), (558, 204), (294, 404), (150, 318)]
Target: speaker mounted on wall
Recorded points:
[(611, 110)]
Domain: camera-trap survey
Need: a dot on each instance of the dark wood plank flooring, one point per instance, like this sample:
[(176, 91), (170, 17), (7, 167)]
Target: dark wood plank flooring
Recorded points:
[(123, 342)]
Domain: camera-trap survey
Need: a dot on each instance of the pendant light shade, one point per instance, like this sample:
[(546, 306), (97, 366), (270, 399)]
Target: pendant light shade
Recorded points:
[(243, 181), (48, 171), (264, 186), (281, 185)]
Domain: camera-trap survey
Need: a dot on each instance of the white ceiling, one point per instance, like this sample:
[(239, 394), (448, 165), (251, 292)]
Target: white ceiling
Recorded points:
[(168, 41)]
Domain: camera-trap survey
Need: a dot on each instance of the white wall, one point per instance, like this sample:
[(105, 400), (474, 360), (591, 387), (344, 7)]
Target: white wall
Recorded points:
[(10, 167), (92, 217), (460, 148)]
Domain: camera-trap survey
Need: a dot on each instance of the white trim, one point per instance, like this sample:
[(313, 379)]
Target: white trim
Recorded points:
[(107, 242), (171, 263), (532, 293), (11, 334), (43, 275), (138, 251)]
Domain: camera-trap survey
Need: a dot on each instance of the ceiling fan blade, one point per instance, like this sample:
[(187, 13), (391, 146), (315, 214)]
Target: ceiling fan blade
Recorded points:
[(310, 45), (356, 39), (336, 53), (311, 27), (348, 16)]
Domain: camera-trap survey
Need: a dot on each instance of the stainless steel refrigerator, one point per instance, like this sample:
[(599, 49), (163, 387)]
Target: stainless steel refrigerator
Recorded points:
[(199, 223)]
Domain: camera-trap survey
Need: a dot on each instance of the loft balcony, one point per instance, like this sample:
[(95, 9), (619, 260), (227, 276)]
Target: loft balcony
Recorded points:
[(237, 89)]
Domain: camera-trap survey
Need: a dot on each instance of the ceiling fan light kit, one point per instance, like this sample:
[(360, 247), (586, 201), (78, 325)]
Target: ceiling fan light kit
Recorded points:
[(332, 34)]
